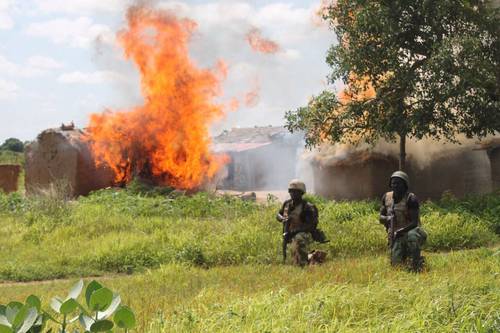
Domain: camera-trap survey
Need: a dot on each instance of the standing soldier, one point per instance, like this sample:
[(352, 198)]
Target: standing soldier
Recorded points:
[(300, 220), (401, 217)]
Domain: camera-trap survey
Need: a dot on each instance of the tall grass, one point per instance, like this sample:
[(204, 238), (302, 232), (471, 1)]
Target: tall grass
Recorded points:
[(459, 293), (114, 231)]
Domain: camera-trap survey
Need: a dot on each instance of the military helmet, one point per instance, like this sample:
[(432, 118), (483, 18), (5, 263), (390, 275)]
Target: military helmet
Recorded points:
[(296, 184), (401, 175)]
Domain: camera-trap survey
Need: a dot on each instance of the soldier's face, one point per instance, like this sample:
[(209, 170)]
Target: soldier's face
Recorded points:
[(295, 194), (398, 185)]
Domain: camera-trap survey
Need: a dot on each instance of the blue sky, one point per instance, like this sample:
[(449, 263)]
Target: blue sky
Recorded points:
[(59, 60)]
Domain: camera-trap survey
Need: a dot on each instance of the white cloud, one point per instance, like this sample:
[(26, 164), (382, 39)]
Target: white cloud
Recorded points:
[(96, 77), (79, 6), (35, 66), (44, 63), (81, 32), (8, 90), (6, 22)]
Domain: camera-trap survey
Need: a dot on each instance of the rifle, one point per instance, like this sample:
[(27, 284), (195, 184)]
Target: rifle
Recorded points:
[(286, 237)]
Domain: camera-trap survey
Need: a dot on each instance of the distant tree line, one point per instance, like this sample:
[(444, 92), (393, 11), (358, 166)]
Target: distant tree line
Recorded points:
[(13, 144)]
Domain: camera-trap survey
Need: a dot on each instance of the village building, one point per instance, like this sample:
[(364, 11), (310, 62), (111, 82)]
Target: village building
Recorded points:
[(355, 175), (261, 158), (9, 177), (60, 159)]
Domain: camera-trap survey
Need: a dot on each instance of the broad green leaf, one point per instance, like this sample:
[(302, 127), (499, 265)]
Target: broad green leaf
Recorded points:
[(29, 321), (124, 318), (93, 286), (20, 316), (101, 326), (2, 309), (5, 329), (34, 301), (12, 310), (76, 290), (55, 304), (86, 322), (68, 306), (112, 308), (101, 299)]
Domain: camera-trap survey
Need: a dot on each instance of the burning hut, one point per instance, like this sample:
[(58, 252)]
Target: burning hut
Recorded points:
[(352, 175), (60, 156), (261, 158), (9, 176)]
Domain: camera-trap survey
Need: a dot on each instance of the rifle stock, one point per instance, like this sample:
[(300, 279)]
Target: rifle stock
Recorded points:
[(286, 238)]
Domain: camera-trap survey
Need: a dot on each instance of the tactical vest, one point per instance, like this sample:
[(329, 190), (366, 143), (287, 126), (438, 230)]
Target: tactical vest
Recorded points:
[(294, 217), (400, 210)]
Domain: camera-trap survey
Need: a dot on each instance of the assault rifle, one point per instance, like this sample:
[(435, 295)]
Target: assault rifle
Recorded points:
[(286, 237)]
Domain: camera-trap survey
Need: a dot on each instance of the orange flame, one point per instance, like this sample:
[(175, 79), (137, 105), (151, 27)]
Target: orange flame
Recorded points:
[(167, 138), (259, 43)]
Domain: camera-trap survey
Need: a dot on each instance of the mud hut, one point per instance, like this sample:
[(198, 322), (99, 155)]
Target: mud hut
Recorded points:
[(60, 157), (9, 177), (261, 158), (492, 148), (461, 171), (353, 175)]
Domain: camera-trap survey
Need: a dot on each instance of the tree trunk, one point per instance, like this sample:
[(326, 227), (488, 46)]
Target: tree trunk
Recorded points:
[(402, 152)]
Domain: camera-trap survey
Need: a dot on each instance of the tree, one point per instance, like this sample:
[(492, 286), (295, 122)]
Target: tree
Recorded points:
[(13, 144), (433, 67)]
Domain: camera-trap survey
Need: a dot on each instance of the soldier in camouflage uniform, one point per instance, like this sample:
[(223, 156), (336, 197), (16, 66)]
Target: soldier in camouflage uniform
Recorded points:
[(401, 217), (302, 219)]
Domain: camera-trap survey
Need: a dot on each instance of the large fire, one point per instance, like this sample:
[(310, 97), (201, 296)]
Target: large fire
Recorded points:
[(167, 138)]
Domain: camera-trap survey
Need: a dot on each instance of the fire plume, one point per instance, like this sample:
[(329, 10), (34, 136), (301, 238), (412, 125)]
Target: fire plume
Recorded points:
[(167, 138)]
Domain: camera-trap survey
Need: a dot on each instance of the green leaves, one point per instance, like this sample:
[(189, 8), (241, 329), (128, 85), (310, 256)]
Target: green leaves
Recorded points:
[(100, 299), (101, 302), (124, 318)]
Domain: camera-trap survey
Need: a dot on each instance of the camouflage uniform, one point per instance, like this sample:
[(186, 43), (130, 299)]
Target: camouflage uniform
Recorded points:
[(303, 220), (408, 244)]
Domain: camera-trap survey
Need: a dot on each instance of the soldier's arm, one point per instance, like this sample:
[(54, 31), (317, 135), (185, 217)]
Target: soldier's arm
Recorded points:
[(383, 218), (279, 216), (311, 217)]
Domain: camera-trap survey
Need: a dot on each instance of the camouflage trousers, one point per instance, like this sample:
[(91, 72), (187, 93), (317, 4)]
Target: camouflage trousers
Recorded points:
[(407, 246), (300, 248)]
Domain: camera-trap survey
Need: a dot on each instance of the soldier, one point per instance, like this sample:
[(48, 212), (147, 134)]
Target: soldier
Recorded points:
[(300, 219), (401, 217)]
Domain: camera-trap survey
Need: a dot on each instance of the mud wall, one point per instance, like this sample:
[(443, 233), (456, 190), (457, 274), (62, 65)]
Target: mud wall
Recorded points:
[(9, 176), (461, 172), (354, 178), (61, 158), (494, 155)]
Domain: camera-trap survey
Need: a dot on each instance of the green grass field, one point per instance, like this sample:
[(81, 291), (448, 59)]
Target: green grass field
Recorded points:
[(212, 264)]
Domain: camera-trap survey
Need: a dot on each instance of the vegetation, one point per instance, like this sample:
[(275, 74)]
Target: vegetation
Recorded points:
[(13, 144), (413, 69), (459, 293), (114, 231), (101, 306)]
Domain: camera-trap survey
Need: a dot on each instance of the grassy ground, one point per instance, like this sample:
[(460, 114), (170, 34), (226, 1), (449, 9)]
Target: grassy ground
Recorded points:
[(459, 293), (118, 232), (212, 264)]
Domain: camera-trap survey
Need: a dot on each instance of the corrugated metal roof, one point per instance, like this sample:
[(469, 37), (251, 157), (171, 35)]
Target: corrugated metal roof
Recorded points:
[(236, 147)]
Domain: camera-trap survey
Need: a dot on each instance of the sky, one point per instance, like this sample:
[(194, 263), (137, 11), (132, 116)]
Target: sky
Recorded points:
[(60, 62)]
